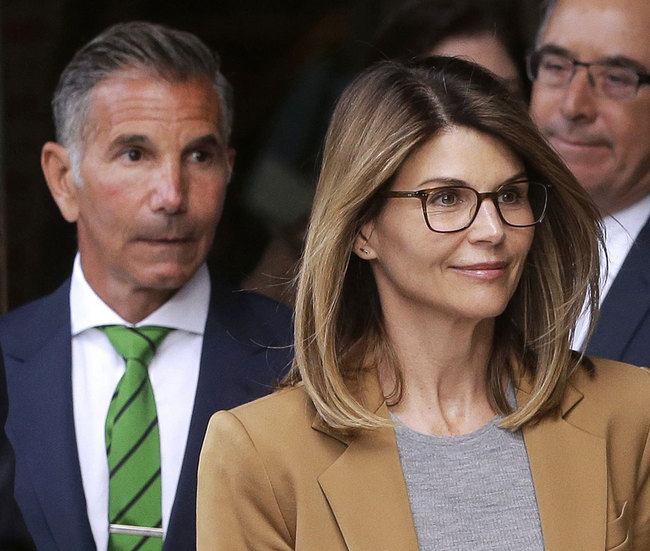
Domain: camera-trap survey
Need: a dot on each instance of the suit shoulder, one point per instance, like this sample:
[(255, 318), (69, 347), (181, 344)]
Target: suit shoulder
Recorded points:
[(611, 379), (26, 325), (279, 427), (614, 392), (287, 405), (250, 315)]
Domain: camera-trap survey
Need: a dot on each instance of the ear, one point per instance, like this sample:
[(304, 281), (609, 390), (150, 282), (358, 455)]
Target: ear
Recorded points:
[(362, 247), (231, 162), (55, 163)]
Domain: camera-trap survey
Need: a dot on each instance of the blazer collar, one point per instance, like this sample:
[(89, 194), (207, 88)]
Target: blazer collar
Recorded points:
[(572, 499), (367, 479)]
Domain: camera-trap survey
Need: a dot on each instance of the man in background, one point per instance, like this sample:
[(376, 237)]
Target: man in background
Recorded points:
[(591, 97), (113, 377)]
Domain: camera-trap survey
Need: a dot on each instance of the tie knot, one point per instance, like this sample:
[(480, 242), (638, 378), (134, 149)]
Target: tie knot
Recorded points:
[(135, 343)]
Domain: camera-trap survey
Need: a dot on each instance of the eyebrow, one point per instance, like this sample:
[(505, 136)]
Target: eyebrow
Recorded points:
[(456, 182), (207, 141), (129, 139), (615, 60)]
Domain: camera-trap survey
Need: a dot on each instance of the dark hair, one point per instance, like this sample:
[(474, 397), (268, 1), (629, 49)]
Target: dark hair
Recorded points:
[(416, 27), (384, 115)]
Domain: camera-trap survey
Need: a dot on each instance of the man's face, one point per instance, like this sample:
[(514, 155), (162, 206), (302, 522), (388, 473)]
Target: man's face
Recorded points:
[(154, 173), (605, 142)]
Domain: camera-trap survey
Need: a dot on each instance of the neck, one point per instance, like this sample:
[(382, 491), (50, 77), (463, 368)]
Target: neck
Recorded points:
[(133, 304), (133, 307), (443, 364)]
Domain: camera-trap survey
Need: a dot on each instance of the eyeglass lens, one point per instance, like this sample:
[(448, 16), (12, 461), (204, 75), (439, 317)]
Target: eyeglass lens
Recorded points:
[(611, 81), (454, 208)]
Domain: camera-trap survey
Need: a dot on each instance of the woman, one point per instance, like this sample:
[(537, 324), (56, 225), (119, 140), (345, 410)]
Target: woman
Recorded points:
[(434, 402), (486, 32)]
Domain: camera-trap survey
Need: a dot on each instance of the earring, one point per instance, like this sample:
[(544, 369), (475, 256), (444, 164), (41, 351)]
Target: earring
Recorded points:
[(364, 251)]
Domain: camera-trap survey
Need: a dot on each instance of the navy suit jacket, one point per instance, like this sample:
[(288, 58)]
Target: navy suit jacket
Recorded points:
[(13, 534), (623, 329), (245, 348)]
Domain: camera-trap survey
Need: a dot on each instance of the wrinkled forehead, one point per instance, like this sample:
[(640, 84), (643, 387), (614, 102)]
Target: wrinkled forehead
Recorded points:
[(140, 95), (598, 29)]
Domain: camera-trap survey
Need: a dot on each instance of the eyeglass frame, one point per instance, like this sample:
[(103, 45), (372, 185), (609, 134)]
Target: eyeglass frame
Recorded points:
[(642, 78), (423, 195)]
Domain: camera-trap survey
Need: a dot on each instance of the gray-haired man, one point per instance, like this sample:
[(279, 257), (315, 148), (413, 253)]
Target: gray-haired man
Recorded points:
[(591, 97), (141, 165)]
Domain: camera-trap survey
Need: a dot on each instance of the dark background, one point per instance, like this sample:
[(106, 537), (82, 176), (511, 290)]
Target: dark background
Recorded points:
[(265, 47)]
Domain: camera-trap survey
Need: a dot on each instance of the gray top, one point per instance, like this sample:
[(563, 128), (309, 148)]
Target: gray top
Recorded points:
[(472, 492)]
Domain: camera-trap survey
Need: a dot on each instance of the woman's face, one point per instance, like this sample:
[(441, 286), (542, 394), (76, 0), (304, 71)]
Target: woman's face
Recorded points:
[(486, 50), (470, 274)]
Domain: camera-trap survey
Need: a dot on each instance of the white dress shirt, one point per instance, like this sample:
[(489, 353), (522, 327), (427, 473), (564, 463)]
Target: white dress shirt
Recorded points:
[(621, 230), (97, 368)]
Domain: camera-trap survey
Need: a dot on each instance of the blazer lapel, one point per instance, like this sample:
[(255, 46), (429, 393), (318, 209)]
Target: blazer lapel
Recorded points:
[(366, 482), (41, 425), (626, 303), (569, 468)]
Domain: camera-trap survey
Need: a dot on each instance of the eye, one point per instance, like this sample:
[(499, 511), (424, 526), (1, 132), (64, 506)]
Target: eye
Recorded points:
[(445, 198), (200, 156), (555, 64), (132, 155), (512, 196), (618, 76)]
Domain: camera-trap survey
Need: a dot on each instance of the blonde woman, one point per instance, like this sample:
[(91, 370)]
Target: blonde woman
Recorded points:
[(434, 402)]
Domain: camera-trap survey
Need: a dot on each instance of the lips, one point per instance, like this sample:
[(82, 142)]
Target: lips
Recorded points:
[(483, 270), (578, 147), (166, 243)]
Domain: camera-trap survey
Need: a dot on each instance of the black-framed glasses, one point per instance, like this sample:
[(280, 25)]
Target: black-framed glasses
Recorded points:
[(449, 209), (607, 79)]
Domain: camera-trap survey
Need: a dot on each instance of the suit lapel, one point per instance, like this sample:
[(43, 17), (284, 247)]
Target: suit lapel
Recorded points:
[(231, 371), (47, 460), (366, 481), (626, 303), (181, 533), (572, 498)]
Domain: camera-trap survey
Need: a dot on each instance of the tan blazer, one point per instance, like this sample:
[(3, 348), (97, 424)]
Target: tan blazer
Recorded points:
[(273, 476)]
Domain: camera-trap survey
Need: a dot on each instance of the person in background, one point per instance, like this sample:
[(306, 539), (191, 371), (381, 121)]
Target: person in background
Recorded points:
[(434, 401), (483, 31), (113, 377), (591, 98), (281, 187)]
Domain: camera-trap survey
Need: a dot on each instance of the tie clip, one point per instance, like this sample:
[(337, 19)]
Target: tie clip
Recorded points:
[(129, 530)]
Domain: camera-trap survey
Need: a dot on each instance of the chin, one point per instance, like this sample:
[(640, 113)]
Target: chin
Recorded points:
[(170, 278)]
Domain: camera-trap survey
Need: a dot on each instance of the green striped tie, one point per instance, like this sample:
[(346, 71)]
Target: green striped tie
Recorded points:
[(133, 444)]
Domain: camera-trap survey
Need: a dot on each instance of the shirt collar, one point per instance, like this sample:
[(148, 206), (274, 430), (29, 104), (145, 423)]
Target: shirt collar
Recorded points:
[(187, 310), (626, 224)]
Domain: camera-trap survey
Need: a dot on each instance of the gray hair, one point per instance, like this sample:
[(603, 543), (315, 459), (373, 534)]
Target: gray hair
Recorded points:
[(173, 55)]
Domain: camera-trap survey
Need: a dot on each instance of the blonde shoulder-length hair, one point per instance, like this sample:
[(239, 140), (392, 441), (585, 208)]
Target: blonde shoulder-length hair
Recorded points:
[(384, 115)]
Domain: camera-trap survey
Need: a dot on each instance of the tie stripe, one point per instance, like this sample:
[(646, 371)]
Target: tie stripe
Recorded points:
[(120, 514), (129, 400), (133, 443), (135, 447)]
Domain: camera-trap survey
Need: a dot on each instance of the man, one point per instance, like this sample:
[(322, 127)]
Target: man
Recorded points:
[(141, 166), (591, 97)]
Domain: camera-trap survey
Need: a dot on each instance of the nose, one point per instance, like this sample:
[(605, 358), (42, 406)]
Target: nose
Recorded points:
[(579, 101), (168, 193), (487, 226)]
